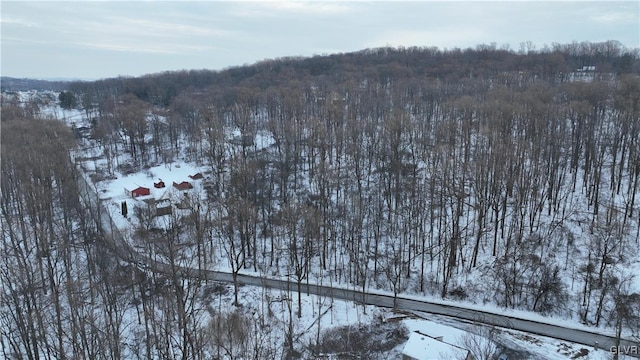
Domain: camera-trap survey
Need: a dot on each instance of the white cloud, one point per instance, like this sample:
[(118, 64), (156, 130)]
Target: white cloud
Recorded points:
[(144, 47), (618, 18), (136, 27), (17, 21), (309, 7), (266, 8), (100, 39)]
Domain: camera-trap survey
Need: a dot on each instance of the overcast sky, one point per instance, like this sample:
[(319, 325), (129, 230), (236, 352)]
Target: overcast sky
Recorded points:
[(91, 40)]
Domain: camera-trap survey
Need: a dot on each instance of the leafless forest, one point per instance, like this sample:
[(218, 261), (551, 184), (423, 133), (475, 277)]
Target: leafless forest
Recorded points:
[(509, 178)]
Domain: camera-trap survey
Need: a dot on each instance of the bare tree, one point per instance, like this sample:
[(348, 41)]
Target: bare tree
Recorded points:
[(480, 343)]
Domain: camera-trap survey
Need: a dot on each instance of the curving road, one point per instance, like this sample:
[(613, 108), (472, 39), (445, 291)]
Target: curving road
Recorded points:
[(123, 249)]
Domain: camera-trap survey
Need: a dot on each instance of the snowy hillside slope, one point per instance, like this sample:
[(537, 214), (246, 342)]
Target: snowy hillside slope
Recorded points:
[(511, 191)]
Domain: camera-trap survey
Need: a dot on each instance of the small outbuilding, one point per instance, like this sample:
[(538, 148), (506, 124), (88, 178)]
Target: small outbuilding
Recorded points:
[(197, 176), (183, 185), (159, 184), (140, 191)]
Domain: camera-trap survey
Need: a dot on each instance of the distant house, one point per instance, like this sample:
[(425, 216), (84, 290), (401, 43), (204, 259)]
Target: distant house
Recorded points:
[(159, 184), (424, 347), (197, 176), (183, 185), (140, 191)]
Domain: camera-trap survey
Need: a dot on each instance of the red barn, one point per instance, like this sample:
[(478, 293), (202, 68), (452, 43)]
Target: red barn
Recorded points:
[(140, 191), (183, 185)]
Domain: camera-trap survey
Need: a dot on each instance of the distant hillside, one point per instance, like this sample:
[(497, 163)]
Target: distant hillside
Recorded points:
[(552, 65), (14, 84)]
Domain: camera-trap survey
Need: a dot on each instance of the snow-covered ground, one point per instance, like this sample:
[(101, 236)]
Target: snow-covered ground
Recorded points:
[(515, 344), (321, 313), (178, 172)]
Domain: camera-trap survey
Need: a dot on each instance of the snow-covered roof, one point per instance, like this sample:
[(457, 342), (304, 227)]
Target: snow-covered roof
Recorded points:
[(423, 347), (168, 173)]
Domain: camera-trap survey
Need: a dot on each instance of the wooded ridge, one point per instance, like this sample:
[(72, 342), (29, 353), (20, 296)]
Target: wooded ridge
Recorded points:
[(486, 175)]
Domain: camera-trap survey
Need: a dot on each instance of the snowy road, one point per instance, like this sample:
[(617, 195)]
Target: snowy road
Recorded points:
[(124, 250), (554, 331)]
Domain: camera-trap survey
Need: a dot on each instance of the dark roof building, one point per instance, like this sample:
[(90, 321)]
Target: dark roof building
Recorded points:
[(183, 185), (140, 191)]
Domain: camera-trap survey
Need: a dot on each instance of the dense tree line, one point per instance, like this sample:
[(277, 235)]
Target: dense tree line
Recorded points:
[(550, 63), (14, 84), (487, 174)]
